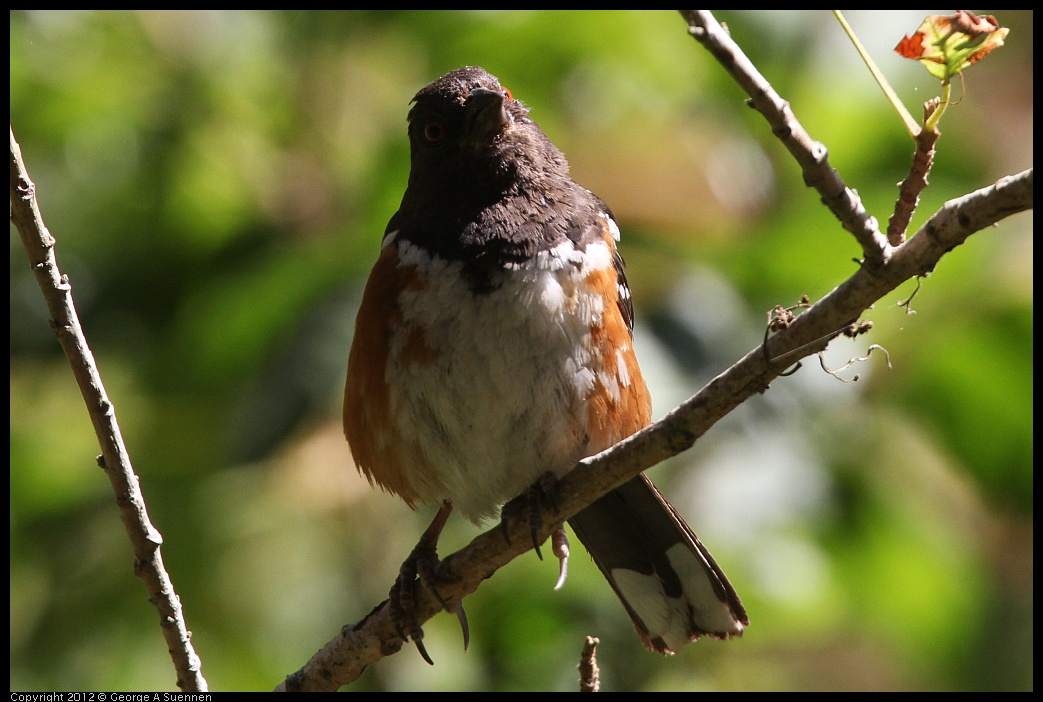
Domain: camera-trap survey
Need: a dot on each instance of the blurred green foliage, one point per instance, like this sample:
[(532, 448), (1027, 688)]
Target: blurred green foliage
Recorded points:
[(218, 183)]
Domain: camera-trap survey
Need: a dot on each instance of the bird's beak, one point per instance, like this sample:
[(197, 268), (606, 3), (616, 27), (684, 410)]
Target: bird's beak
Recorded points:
[(486, 115)]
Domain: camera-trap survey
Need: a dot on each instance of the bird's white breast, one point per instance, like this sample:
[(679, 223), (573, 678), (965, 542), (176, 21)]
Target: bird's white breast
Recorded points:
[(499, 395)]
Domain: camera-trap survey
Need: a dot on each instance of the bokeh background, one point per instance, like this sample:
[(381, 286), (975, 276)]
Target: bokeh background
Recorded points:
[(218, 183)]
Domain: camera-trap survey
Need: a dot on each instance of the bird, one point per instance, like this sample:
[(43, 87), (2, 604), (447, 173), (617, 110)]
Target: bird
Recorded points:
[(493, 347)]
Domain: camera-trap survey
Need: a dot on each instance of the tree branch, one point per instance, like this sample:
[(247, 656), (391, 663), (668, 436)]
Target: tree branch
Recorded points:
[(811, 155), (144, 538), (885, 267), (344, 658)]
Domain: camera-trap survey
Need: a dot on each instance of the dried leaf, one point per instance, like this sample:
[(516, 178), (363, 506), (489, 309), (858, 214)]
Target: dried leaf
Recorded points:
[(947, 45)]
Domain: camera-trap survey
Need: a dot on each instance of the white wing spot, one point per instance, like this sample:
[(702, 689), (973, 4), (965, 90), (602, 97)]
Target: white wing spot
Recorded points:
[(612, 228)]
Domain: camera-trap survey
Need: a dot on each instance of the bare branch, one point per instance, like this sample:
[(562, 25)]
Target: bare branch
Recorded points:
[(811, 155), (909, 189), (588, 666), (144, 538), (344, 658)]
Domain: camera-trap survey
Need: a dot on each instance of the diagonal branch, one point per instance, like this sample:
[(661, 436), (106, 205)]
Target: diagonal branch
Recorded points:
[(811, 155), (144, 538), (344, 658)]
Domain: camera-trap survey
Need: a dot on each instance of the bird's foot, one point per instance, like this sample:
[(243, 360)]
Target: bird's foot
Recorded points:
[(423, 566)]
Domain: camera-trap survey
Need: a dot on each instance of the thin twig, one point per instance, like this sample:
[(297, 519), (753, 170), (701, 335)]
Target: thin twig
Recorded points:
[(144, 538), (907, 119), (589, 675), (835, 372), (909, 189)]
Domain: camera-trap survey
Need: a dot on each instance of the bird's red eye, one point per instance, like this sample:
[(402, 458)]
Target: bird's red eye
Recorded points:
[(506, 92), (434, 132)]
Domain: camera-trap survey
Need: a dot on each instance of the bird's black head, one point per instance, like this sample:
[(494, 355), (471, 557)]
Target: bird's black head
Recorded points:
[(467, 130), (486, 186)]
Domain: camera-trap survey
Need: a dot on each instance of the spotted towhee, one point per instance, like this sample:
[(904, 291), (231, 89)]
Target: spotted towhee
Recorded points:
[(494, 345)]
